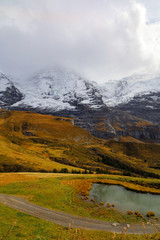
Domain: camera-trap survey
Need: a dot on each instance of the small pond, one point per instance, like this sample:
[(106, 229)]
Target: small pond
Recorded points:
[(124, 199)]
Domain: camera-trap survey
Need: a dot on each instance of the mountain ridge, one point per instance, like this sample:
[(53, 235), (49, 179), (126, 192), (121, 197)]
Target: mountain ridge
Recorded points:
[(64, 93)]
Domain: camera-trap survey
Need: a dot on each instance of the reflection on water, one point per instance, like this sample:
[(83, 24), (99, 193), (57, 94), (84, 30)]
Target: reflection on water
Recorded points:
[(125, 200)]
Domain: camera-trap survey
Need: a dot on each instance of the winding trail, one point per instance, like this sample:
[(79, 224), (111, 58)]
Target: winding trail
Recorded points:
[(69, 220)]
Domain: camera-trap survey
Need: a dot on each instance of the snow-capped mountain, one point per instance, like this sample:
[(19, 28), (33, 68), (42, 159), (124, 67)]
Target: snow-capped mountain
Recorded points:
[(126, 89), (59, 89), (139, 95), (9, 94), (134, 102)]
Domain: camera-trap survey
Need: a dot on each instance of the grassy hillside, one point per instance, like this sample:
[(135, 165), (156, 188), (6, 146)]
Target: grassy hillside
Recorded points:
[(35, 142), (31, 141)]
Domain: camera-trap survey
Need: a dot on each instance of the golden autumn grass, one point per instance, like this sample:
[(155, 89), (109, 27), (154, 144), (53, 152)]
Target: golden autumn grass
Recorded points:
[(82, 183), (7, 178), (129, 139), (83, 186), (35, 142)]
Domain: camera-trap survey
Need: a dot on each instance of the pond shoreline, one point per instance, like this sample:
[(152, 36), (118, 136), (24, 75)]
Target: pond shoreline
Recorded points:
[(125, 199), (128, 188)]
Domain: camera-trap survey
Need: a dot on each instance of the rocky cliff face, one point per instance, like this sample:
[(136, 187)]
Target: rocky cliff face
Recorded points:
[(144, 106), (9, 94)]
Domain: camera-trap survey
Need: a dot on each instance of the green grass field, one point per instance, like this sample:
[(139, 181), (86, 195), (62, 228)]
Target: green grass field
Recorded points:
[(16, 225), (60, 192), (49, 191)]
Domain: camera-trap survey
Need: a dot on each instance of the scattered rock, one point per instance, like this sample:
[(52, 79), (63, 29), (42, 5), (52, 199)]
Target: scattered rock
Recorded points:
[(115, 224), (128, 225)]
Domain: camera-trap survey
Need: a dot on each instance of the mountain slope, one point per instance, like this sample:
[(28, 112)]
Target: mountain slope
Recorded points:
[(138, 95), (124, 90), (35, 142), (134, 102)]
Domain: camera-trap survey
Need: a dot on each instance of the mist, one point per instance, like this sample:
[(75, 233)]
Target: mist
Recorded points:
[(101, 40)]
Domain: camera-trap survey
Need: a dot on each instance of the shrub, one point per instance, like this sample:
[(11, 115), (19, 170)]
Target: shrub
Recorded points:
[(138, 214), (92, 200), (101, 171), (130, 212), (150, 214), (101, 203), (75, 171), (108, 205), (64, 170), (85, 171)]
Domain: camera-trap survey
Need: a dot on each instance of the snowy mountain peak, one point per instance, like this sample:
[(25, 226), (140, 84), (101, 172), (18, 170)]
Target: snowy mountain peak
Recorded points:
[(124, 90), (9, 94), (62, 92), (59, 89), (4, 82)]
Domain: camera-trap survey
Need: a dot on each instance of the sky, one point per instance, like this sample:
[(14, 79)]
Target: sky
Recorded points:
[(100, 39)]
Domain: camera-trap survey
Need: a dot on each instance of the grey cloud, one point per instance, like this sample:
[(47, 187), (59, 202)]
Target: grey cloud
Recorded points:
[(101, 39)]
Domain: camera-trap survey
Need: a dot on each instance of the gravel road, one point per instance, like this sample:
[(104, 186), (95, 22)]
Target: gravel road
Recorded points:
[(69, 220)]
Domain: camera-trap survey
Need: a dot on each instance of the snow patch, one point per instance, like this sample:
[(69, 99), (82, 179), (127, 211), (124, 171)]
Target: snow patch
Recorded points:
[(124, 90)]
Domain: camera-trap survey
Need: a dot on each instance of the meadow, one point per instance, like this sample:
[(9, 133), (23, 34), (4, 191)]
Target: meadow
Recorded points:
[(57, 191)]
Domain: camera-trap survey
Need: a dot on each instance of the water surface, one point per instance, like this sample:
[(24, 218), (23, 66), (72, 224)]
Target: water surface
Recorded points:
[(124, 199)]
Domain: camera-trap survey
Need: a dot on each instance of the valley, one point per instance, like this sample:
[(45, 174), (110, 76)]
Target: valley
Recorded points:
[(79, 120), (58, 142)]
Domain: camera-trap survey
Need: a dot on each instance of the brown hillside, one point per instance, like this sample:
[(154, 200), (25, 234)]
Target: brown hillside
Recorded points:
[(35, 142)]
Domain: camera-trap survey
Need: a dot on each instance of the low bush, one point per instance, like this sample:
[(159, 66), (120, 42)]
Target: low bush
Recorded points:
[(150, 214), (138, 214), (130, 212)]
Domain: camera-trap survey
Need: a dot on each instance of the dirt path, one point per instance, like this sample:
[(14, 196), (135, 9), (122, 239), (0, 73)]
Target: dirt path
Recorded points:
[(69, 220)]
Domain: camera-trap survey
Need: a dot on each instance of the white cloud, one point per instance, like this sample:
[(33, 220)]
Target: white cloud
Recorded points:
[(102, 39)]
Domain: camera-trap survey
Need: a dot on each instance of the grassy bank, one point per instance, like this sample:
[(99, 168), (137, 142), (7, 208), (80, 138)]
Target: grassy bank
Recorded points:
[(62, 192)]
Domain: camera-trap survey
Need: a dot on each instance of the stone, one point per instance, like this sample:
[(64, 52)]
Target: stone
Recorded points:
[(115, 224)]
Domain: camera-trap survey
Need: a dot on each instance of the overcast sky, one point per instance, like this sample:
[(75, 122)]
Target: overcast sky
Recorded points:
[(102, 39)]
